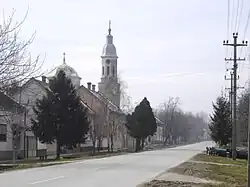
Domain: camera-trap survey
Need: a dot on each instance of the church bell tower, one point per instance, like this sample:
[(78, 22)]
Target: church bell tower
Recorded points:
[(109, 85)]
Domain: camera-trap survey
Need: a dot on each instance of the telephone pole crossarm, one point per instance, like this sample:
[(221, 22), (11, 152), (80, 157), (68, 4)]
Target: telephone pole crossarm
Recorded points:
[(231, 59)]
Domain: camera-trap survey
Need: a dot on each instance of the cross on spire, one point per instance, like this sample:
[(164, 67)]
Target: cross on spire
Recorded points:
[(64, 61), (109, 27)]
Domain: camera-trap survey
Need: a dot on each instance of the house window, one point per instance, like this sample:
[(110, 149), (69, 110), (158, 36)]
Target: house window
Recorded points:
[(113, 70), (102, 70), (3, 132), (108, 70)]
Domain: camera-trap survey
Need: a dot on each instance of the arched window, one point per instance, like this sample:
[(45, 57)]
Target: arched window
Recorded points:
[(113, 70), (108, 70), (102, 70)]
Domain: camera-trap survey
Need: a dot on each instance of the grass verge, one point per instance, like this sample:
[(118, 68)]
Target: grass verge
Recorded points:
[(225, 172), (162, 183), (218, 159), (230, 175)]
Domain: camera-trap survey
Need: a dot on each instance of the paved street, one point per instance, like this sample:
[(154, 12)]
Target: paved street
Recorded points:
[(119, 171)]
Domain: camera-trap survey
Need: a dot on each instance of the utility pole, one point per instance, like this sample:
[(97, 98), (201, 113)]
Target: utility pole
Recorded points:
[(231, 97), (234, 99), (230, 91), (248, 157)]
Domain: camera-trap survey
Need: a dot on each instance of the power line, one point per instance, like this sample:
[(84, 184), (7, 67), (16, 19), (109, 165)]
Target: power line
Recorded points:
[(246, 27), (237, 12), (228, 17), (241, 8), (232, 18)]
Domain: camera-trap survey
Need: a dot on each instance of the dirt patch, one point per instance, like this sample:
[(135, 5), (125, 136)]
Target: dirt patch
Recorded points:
[(232, 175), (162, 183), (204, 171)]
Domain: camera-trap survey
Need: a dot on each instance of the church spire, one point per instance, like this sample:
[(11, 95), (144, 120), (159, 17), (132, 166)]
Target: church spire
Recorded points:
[(109, 27), (64, 61)]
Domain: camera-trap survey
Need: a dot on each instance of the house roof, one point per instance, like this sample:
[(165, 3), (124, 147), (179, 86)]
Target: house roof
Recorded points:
[(103, 99), (158, 121), (95, 94), (9, 104)]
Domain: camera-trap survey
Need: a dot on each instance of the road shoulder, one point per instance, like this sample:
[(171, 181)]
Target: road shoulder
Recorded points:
[(203, 171)]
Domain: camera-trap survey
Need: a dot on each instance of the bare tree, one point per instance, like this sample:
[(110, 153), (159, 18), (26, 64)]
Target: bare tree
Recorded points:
[(126, 100), (16, 126), (16, 64), (242, 118), (96, 131), (167, 114), (115, 127), (181, 126)]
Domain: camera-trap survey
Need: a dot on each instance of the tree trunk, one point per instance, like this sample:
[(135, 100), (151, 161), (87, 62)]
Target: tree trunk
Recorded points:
[(137, 144), (112, 143), (142, 143), (98, 143), (58, 149), (108, 143), (93, 150)]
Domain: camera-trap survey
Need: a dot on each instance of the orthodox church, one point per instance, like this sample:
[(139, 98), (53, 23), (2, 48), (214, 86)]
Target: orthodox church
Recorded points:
[(107, 119)]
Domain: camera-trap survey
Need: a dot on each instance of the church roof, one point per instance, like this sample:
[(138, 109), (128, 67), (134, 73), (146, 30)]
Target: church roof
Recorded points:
[(109, 48), (104, 99), (68, 70), (98, 95)]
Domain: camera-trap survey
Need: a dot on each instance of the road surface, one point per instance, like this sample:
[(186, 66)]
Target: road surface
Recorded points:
[(119, 171)]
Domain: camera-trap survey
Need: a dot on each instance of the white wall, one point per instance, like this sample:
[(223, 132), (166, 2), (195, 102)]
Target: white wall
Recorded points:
[(30, 93)]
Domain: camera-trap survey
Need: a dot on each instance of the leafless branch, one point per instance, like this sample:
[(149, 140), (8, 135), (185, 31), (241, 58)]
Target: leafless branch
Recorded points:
[(16, 64)]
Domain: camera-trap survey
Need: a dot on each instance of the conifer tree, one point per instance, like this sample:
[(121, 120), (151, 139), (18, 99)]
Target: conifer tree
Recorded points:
[(141, 123), (220, 122), (60, 116)]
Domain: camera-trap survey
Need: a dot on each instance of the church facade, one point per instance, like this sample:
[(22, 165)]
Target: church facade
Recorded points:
[(107, 119)]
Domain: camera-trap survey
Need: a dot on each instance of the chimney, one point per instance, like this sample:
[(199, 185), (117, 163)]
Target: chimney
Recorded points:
[(89, 85), (93, 87), (50, 81), (44, 78)]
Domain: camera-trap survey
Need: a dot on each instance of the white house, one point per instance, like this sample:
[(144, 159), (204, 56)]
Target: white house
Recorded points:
[(11, 120)]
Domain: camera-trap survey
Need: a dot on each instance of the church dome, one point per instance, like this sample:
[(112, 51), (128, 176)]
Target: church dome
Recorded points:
[(109, 50), (69, 71)]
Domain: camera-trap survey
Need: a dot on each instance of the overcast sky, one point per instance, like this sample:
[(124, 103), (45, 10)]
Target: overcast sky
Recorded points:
[(165, 47)]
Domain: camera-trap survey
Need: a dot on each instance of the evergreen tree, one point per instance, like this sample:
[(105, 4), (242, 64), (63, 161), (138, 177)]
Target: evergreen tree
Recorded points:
[(60, 115), (220, 122), (141, 123)]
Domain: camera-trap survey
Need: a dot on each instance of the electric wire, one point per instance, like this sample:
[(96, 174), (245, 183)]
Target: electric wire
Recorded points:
[(236, 17), (240, 14)]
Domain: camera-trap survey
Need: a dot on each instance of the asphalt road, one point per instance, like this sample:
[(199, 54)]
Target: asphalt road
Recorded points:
[(119, 171)]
